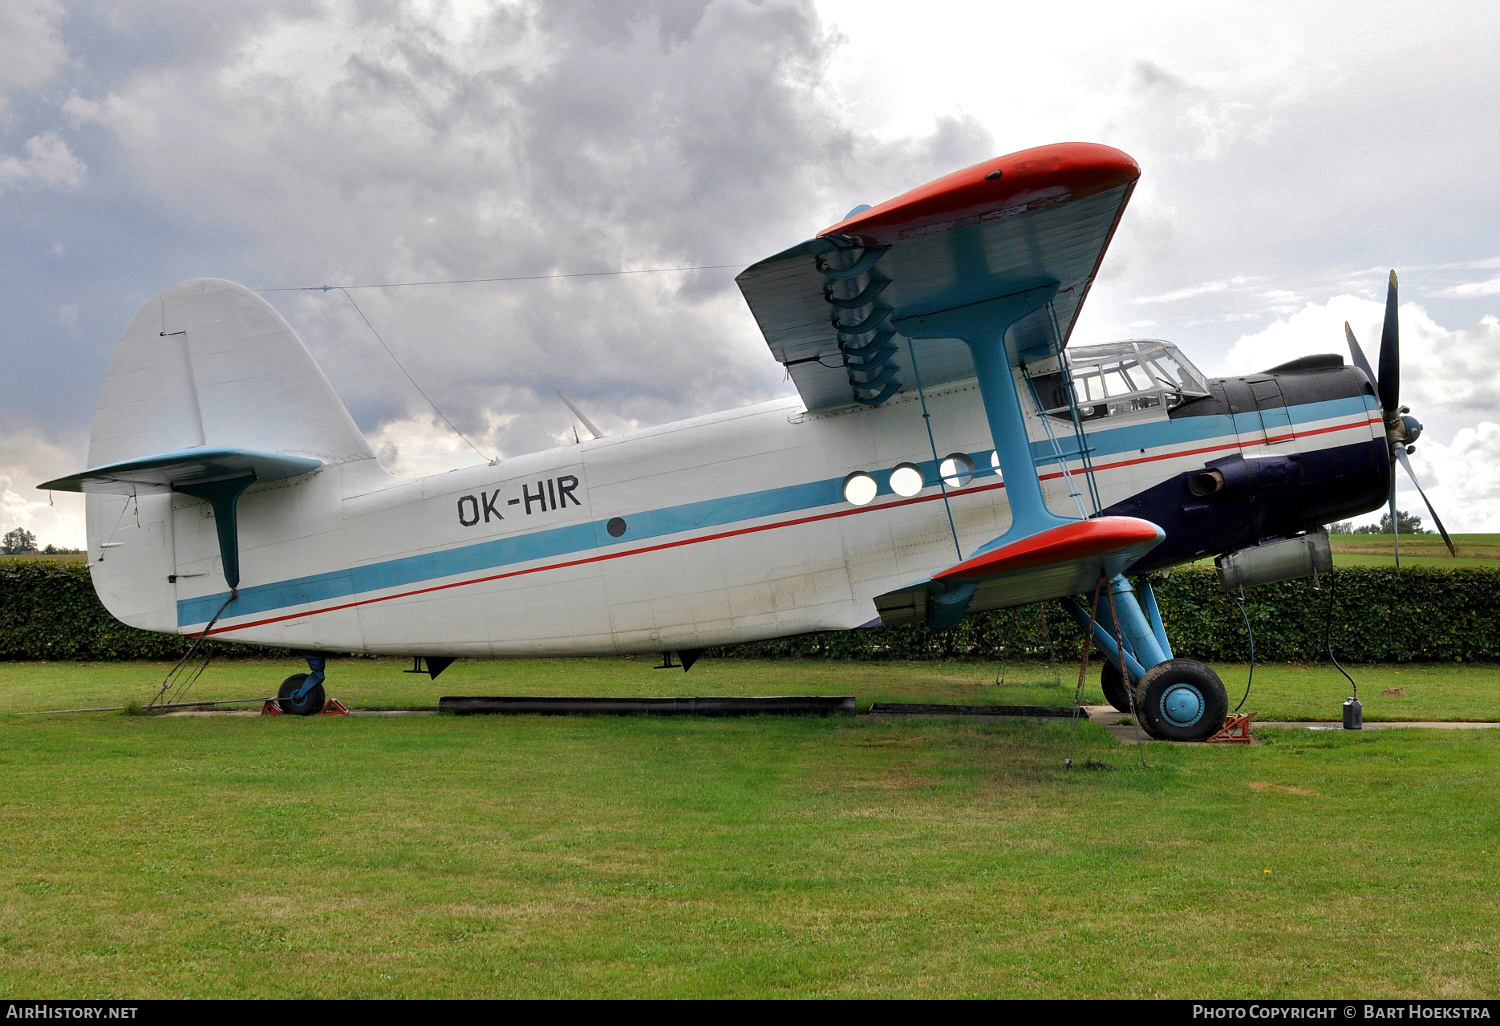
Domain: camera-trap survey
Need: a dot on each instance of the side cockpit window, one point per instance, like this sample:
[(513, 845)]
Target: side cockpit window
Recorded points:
[(1116, 379)]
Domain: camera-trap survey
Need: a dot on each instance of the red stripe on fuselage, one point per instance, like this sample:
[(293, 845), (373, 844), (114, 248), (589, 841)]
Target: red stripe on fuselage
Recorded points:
[(767, 527)]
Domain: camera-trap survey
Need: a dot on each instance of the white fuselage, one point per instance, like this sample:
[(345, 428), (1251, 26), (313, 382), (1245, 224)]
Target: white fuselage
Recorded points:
[(726, 528)]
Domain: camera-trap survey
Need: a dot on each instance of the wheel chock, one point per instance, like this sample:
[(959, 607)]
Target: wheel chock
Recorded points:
[(334, 708), (271, 708), (1236, 730)]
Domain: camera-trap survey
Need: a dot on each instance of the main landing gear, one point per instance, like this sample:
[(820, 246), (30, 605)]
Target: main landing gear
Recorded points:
[(1178, 700), (1175, 699), (302, 694), (1181, 700)]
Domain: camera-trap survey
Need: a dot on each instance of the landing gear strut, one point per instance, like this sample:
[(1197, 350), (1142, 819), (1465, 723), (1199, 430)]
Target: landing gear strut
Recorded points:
[(1176, 699), (302, 694)]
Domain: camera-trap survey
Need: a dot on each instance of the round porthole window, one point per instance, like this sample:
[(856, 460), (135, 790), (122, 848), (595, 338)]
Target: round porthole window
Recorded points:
[(995, 465), (956, 470), (860, 488), (906, 479), (615, 527)]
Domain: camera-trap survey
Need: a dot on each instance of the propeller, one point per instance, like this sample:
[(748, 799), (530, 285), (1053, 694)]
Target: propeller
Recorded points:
[(1401, 429)]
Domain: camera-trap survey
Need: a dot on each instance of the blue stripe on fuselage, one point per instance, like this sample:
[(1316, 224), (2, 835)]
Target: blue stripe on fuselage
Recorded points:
[(524, 548), (692, 516), (1186, 430)]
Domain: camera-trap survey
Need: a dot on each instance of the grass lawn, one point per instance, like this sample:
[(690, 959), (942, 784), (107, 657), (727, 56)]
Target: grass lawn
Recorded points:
[(495, 856)]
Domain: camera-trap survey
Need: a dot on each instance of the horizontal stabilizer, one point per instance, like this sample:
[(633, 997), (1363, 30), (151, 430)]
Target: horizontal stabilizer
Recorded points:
[(168, 470), (1055, 563)]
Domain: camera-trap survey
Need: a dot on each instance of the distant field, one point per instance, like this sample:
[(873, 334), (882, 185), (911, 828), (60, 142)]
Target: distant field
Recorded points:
[(37, 557), (1417, 549), (531, 856)]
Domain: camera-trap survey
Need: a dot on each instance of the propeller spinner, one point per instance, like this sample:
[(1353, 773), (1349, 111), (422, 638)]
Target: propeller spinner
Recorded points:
[(1401, 429)]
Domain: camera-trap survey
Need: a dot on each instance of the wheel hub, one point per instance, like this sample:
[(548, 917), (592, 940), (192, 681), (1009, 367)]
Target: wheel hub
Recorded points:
[(1182, 705)]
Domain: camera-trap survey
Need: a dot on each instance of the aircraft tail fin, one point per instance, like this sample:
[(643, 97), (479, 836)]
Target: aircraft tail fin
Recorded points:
[(209, 392), (210, 363)]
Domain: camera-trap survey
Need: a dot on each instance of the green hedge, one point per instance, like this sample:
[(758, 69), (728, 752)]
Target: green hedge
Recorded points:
[(49, 611), (1420, 615)]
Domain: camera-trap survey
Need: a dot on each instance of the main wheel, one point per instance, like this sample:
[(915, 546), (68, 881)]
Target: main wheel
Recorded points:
[(1113, 684), (1181, 700), (311, 703)]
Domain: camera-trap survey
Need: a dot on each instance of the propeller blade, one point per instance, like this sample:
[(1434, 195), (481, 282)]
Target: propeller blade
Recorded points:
[(1390, 353), (1401, 455), (1395, 525), (1358, 355)]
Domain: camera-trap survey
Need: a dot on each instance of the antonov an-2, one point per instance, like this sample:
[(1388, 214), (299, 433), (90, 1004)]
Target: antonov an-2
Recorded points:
[(944, 454)]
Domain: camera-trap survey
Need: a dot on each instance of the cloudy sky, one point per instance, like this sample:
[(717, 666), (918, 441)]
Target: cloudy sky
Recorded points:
[(1291, 153)]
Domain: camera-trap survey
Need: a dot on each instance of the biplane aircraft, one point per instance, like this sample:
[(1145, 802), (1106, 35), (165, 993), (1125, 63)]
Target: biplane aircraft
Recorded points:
[(946, 453)]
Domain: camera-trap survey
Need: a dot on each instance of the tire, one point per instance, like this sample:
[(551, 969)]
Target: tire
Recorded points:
[(1182, 700), (1114, 687), (312, 703)]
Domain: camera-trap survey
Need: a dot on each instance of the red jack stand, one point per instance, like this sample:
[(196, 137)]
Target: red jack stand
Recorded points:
[(1236, 730)]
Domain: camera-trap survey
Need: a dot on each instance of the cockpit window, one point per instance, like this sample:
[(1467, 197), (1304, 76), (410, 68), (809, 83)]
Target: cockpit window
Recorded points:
[(1118, 378)]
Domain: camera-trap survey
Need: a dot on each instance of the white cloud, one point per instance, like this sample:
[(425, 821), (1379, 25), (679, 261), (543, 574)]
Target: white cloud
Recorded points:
[(419, 445), (48, 164), (27, 459), (31, 45), (1192, 291), (1449, 377), (1469, 290), (1461, 478), (288, 143)]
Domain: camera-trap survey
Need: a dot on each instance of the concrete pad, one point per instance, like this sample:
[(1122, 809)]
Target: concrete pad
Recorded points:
[(257, 712), (214, 712), (1374, 725), (1109, 717)]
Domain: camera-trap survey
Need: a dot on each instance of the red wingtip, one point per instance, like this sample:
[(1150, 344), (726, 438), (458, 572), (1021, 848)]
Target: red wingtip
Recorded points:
[(1057, 545), (1058, 172)]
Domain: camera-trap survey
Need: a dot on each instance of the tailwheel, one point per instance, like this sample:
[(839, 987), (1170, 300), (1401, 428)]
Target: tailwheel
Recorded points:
[(309, 704), (1181, 700), (1113, 683)]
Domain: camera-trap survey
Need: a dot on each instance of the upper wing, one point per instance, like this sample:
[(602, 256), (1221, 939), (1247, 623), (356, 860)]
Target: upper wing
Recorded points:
[(1040, 217)]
